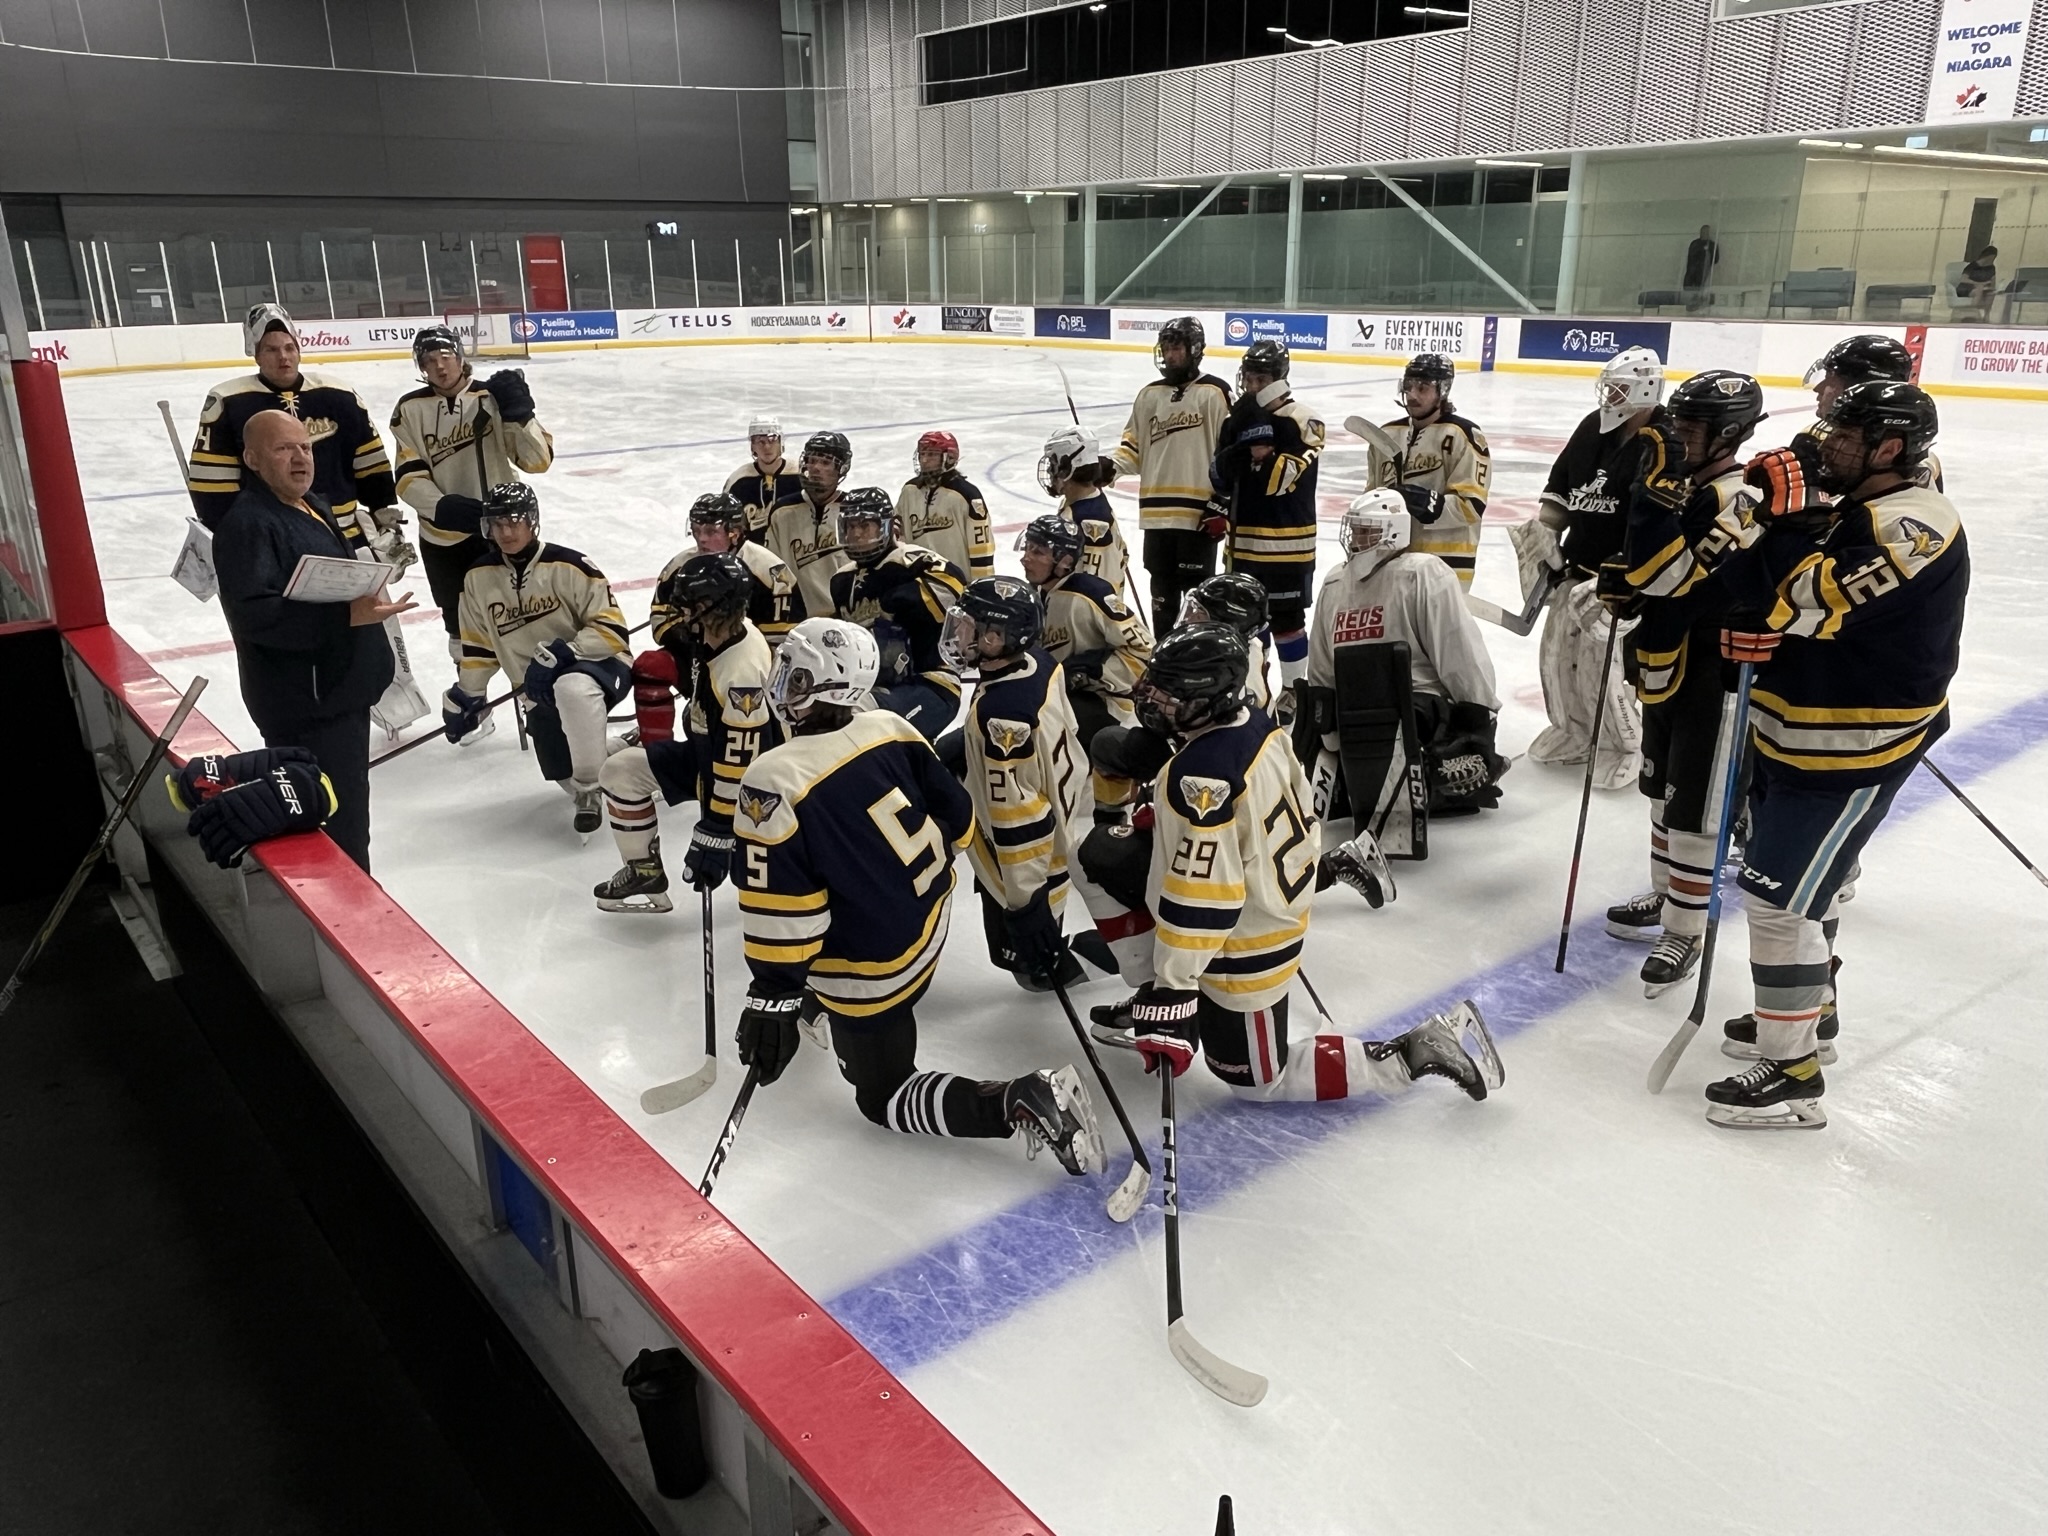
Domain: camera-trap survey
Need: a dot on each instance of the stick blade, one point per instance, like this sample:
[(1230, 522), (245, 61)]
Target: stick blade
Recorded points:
[(1373, 433), (663, 1097), (1129, 1197), (1660, 1069), (1235, 1385)]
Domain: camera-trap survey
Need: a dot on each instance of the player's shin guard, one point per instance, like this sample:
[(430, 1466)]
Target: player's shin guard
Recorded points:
[(580, 702), (1788, 961), (1127, 931), (655, 683)]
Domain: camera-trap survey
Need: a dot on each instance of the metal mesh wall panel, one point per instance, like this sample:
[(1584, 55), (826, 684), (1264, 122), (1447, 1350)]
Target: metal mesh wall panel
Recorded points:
[(1141, 126), (959, 139), (1013, 164), (984, 171), (1106, 131), (1041, 132), (1739, 71), (1252, 130), (1489, 119), (1176, 124), (1813, 69), (1895, 53), (2033, 94), (1550, 64), (1604, 102), (1212, 121), (1294, 112), (1071, 113), (1339, 104), (1667, 95), (1389, 88), (1439, 93)]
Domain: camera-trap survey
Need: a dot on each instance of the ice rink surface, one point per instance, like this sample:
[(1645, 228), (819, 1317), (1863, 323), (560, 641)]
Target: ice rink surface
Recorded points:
[(1574, 1308)]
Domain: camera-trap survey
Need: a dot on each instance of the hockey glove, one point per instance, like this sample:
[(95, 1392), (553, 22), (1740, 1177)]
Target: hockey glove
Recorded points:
[(1785, 479), (515, 401), (1424, 505), (1165, 1022), (1084, 668), (215, 774), (1216, 519), (458, 514), (709, 859), (395, 550), (906, 604), (1034, 936), (461, 712), (1665, 479), (288, 797), (1611, 586), (768, 1036), (1753, 646), (548, 664)]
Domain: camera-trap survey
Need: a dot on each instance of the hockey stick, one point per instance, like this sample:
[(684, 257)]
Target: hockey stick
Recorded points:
[(1071, 411), (1660, 1069), (1989, 826), (1129, 1195), (421, 741), (1234, 1384), (1381, 439), (663, 1097), (1314, 996), (1571, 884), (720, 1152), (1516, 623), (193, 569), (98, 850)]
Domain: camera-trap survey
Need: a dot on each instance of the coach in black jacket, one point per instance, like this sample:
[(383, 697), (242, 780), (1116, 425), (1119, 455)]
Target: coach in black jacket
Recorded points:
[(310, 671)]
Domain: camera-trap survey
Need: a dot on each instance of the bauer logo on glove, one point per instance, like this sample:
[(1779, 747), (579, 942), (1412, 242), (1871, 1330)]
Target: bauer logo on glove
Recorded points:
[(286, 796)]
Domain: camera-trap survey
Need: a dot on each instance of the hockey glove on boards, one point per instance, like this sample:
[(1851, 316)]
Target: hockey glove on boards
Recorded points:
[(1665, 478), (1164, 1019), (546, 668), (1424, 505), (768, 1037), (709, 859), (292, 796), (201, 779), (461, 712), (1786, 479), (1033, 931), (515, 400), (458, 514)]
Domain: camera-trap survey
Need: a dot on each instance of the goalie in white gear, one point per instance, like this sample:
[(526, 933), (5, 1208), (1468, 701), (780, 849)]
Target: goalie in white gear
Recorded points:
[(1582, 518), (1441, 757)]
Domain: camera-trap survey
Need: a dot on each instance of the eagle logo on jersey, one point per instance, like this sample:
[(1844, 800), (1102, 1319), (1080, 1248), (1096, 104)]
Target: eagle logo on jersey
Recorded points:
[(1008, 736), (1205, 796), (1924, 543), (1114, 607), (745, 701), (757, 805)]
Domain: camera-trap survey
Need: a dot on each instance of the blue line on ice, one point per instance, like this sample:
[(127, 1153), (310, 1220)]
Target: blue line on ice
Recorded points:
[(935, 1301)]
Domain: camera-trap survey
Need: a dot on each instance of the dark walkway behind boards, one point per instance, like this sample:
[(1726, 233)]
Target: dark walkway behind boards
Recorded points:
[(189, 1339)]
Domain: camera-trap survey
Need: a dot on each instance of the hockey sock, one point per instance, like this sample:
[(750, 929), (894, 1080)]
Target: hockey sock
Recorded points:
[(1333, 1067), (633, 826), (1128, 931), (942, 1104), (579, 701), (1293, 653), (1689, 876), (629, 785), (1660, 854), (1788, 962)]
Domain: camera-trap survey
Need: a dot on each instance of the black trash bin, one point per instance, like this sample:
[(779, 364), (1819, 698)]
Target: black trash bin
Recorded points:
[(663, 1385)]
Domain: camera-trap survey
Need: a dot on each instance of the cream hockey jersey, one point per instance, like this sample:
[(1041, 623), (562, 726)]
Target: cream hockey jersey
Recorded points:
[(1103, 551), (1098, 638), (512, 608), (949, 518), (805, 537), (438, 453), (1450, 457), (775, 606), (1409, 597), (1167, 444), (1028, 778), (757, 489)]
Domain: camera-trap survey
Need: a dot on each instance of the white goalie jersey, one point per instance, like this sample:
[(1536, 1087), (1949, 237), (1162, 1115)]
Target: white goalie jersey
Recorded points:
[(1412, 597)]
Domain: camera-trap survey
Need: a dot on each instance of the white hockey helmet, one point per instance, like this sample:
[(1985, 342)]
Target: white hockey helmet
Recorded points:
[(1377, 524), (1069, 446), (823, 661), (765, 426), (1632, 381), (257, 323)]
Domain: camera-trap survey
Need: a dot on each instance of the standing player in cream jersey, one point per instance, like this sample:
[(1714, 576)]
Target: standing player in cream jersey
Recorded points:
[(1167, 444), (1071, 468), (943, 511), (1443, 469), (764, 479), (803, 527)]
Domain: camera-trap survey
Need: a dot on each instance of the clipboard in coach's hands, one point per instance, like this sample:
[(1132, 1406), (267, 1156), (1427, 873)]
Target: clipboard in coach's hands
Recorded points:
[(331, 579)]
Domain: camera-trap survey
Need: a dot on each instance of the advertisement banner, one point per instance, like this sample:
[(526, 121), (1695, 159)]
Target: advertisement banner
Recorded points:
[(1997, 357), (1592, 341), (1977, 55), (986, 319), (1459, 336), (1488, 345), (1140, 327), (1300, 332), (1072, 323), (567, 325), (964, 317), (318, 336)]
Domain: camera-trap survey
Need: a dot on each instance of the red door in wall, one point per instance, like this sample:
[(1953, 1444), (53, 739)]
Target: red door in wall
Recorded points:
[(547, 284)]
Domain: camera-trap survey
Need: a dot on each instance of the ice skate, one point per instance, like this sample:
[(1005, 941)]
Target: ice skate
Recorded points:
[(1770, 1096), (1359, 864), (1434, 1048), (1639, 919), (1676, 957), (589, 810), (486, 725), (1052, 1110), (641, 886), (1110, 1024)]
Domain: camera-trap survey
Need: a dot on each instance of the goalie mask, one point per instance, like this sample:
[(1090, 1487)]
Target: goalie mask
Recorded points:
[(1632, 381), (822, 661), (996, 617), (1377, 526), (261, 320), (1069, 448)]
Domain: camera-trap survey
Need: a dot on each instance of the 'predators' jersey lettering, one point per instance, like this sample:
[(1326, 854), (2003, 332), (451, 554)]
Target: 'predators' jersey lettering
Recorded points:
[(511, 610)]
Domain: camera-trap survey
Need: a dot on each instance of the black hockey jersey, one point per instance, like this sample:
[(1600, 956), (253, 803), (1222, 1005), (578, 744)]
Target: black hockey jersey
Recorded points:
[(350, 467), (902, 600), (1672, 558), (758, 489), (1589, 487), (1273, 502), (1872, 615), (846, 868)]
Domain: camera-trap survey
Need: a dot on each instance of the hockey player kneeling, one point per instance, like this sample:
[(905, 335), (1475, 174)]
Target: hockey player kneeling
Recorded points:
[(712, 642), (848, 832), (545, 615), (1099, 642), (1397, 711), (900, 593), (1234, 867)]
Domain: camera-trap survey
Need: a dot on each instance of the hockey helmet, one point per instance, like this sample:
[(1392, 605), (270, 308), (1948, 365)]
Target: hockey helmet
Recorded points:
[(434, 338), (1378, 524), (261, 320), (829, 445), (765, 426), (1186, 330), (718, 509), (1857, 358), (1266, 356), (1876, 409), (1631, 381), (1059, 538), (991, 606), (512, 502), (1196, 677), (822, 661), (945, 444), (866, 524), (715, 588), (1727, 403), (1231, 598), (1068, 449)]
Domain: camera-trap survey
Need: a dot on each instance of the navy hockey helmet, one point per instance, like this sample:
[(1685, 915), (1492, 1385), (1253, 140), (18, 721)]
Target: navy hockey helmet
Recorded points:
[(1878, 409), (998, 608), (1727, 403), (1052, 532), (1436, 367), (1186, 330), (709, 588), (833, 446), (866, 524), (1857, 358), (719, 509), (1231, 598), (433, 338), (514, 502), (1196, 678), (1267, 356)]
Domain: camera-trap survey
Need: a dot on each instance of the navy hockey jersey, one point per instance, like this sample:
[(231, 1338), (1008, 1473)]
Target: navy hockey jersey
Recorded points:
[(350, 467), (902, 600)]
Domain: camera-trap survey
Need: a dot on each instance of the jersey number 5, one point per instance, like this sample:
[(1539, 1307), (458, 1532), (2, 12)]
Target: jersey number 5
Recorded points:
[(912, 844)]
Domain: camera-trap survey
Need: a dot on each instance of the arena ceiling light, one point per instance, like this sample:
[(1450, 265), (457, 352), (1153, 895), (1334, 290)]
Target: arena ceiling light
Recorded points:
[(1323, 176), (1963, 157), (1429, 12), (1518, 165), (1305, 42)]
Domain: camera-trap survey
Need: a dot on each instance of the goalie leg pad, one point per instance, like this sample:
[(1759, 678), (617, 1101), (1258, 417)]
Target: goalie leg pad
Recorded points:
[(1376, 743)]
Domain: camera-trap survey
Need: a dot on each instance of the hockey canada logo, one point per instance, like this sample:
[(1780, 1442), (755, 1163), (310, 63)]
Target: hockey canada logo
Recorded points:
[(1205, 795), (1009, 735), (1971, 97), (745, 701), (903, 320), (757, 805), (835, 321)]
